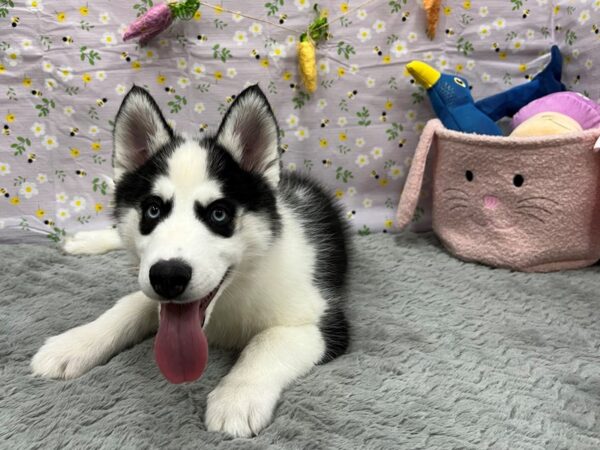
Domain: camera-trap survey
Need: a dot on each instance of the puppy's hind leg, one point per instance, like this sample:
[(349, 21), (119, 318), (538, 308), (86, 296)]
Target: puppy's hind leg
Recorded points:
[(93, 242), (243, 402), (78, 350)]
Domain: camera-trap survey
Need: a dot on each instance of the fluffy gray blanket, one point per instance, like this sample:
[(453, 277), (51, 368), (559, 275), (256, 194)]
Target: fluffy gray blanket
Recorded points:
[(444, 355)]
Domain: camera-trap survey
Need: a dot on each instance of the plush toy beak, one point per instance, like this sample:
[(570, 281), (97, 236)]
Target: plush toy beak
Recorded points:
[(423, 73)]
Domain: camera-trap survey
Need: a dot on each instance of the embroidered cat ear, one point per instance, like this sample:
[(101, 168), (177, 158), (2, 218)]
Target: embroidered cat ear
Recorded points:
[(140, 130)]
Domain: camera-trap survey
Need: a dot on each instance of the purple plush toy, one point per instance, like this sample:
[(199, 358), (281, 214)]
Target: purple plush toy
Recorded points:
[(572, 104)]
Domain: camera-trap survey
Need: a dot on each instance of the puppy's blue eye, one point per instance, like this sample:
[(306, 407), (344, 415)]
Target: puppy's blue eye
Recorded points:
[(219, 215), (153, 212)]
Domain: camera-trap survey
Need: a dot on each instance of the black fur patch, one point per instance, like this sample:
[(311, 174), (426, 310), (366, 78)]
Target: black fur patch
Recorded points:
[(135, 186), (327, 230), (336, 331), (247, 189), (148, 224), (204, 214)]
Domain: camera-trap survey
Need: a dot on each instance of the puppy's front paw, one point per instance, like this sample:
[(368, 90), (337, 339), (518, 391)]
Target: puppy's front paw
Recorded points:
[(241, 410), (68, 355), (79, 244), (92, 242)]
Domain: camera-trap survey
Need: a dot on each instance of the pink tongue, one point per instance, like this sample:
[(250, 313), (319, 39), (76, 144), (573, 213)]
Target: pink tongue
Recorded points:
[(180, 347)]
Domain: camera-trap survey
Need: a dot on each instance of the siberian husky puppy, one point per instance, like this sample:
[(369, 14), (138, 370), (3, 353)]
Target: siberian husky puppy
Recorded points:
[(228, 247)]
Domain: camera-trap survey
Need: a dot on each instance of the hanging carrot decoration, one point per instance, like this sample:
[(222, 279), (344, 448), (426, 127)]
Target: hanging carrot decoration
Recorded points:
[(158, 18), (317, 31), (307, 64), (432, 8)]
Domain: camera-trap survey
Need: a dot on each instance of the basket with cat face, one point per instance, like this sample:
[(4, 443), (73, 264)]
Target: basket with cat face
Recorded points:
[(529, 204)]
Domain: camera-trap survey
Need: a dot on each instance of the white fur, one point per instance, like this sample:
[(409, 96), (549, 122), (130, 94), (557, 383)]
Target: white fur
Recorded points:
[(73, 353), (268, 306), (254, 301), (274, 318), (93, 242), (243, 402), (188, 176), (181, 235)]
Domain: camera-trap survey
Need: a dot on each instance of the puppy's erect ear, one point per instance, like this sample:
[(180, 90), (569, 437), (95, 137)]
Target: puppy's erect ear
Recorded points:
[(249, 131), (140, 130)]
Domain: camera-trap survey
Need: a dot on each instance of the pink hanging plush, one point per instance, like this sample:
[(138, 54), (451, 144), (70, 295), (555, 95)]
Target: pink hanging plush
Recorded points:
[(158, 18)]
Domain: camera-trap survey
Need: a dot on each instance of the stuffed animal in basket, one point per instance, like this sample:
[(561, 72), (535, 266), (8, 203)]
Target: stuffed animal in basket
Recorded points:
[(452, 102), (557, 113)]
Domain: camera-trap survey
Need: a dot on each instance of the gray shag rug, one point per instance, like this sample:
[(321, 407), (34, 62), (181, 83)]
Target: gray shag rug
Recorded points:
[(444, 355)]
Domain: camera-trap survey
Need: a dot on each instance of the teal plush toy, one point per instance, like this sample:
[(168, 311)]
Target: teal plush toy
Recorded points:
[(451, 97)]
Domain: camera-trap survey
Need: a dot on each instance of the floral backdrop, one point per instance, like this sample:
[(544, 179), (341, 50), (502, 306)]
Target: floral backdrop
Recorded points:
[(64, 70)]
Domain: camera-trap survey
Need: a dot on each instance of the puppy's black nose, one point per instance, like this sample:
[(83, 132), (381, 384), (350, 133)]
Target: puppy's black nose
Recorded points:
[(170, 278)]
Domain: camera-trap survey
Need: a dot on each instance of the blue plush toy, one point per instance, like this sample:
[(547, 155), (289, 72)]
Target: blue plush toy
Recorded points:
[(451, 97)]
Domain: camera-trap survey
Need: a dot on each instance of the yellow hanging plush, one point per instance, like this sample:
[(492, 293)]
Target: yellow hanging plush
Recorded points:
[(307, 63), (307, 53)]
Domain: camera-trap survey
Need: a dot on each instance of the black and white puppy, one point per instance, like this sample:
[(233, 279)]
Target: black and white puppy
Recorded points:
[(228, 246)]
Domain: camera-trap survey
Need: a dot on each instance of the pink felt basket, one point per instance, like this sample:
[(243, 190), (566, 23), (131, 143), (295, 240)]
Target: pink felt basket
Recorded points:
[(529, 204)]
